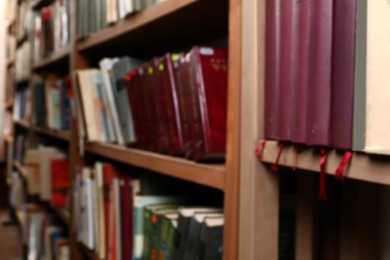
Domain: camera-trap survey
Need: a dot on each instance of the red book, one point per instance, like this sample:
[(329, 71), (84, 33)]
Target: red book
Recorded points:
[(208, 84), (109, 174), (271, 107), (184, 102), (343, 74), (286, 52), (319, 81), (169, 101), (133, 83), (59, 182), (301, 68), (126, 201)]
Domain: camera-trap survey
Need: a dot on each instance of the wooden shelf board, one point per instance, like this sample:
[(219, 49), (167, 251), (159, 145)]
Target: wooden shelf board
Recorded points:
[(38, 4), (59, 134), (87, 252), (180, 17), (20, 168), (53, 58), (364, 167), (61, 213), (205, 174), (22, 123), (24, 80)]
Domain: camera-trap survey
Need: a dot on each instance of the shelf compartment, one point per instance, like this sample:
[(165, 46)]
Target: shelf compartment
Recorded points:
[(38, 4), (210, 175), (53, 59), (22, 123), (181, 19), (87, 252), (59, 134), (362, 166)]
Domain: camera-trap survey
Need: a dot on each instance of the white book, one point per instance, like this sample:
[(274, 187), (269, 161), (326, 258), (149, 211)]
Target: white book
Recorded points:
[(90, 243), (106, 66), (372, 77)]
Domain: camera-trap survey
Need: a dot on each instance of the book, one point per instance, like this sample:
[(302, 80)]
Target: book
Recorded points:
[(371, 78), (46, 154), (271, 108), (60, 182), (211, 239), (301, 43), (319, 81), (285, 81), (207, 80), (120, 70), (343, 65), (32, 163)]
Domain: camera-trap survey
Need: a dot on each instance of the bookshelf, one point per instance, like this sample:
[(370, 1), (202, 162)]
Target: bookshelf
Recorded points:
[(59, 134), (53, 59)]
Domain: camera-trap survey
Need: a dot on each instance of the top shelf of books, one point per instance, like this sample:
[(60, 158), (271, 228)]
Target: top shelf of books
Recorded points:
[(364, 167), (180, 18)]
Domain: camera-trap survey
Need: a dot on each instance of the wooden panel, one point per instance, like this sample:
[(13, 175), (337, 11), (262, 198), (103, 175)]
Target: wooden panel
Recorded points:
[(232, 179), (365, 167), (259, 189), (59, 134), (53, 59), (204, 174)]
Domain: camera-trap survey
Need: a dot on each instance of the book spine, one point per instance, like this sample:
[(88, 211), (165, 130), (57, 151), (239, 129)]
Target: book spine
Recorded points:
[(285, 100), (151, 134), (301, 52), (343, 65), (319, 82), (131, 85), (271, 70)]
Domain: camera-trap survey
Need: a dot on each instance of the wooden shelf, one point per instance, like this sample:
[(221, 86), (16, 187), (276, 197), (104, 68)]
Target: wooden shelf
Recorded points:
[(9, 139), (54, 58), (59, 134), (22, 123), (204, 174), (87, 252), (364, 167), (38, 4), (20, 168), (24, 80), (60, 213), (181, 18)]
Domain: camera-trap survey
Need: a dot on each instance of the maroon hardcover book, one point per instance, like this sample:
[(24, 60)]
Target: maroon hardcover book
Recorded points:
[(319, 81), (343, 74), (59, 182), (184, 101), (301, 52), (157, 113), (169, 102), (208, 75), (271, 106), (126, 200), (286, 70)]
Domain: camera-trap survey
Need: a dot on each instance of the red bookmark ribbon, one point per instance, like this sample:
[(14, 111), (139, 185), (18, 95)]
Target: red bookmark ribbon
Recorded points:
[(340, 170), (260, 147), (322, 190), (275, 166)]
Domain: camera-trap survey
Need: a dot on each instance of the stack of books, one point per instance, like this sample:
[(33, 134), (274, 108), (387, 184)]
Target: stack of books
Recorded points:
[(326, 80), (175, 104), (116, 220)]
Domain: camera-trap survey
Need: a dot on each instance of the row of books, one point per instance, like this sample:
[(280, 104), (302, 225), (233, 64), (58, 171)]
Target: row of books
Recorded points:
[(44, 236), (22, 19), (22, 110), (51, 101), (23, 62), (173, 104), (116, 221), (93, 16), (326, 77), (51, 29), (48, 175)]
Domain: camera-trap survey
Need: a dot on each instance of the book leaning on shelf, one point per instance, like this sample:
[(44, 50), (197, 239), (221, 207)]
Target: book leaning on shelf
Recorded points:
[(175, 104), (330, 76), (115, 218)]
